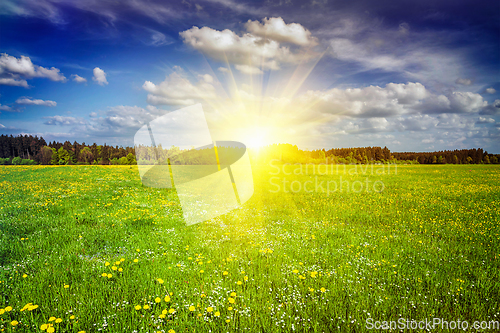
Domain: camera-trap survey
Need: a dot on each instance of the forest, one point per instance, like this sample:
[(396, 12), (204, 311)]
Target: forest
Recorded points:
[(33, 150)]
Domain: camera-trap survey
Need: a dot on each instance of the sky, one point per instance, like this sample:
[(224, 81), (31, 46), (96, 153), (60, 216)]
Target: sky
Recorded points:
[(410, 75)]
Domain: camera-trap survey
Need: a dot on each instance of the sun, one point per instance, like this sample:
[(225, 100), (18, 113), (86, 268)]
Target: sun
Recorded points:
[(256, 137)]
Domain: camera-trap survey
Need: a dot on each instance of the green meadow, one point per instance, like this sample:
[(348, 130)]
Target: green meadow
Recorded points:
[(316, 249)]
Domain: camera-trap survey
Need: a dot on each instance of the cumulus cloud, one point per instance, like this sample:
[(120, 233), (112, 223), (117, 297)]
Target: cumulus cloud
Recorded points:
[(99, 76), (276, 29), (250, 48), (248, 69), (394, 99), (77, 78), (5, 108), (372, 101), (491, 109), (64, 121), (223, 69), (14, 82), (491, 91), (15, 71), (484, 120), (464, 82), (178, 90), (29, 101)]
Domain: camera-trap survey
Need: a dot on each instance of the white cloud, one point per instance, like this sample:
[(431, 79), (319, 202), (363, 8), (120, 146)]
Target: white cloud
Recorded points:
[(5, 108), (77, 78), (276, 29), (248, 69), (248, 49), (393, 99), (64, 121), (492, 109), (14, 71), (223, 69), (372, 101), (483, 120), (29, 101), (99, 76), (464, 82), (178, 90), (491, 91), (2, 126), (14, 82)]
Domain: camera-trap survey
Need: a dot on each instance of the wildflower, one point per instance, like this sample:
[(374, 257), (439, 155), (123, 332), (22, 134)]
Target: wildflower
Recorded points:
[(120, 269), (104, 274), (157, 299), (110, 276), (225, 273), (192, 308), (50, 329), (245, 278), (323, 289), (14, 322), (52, 318), (239, 283), (233, 294), (228, 320), (8, 308), (171, 331), (107, 264), (167, 298), (202, 271), (172, 310), (117, 263), (231, 300), (25, 276), (145, 307), (72, 317), (160, 281), (295, 271), (58, 320), (138, 307), (114, 268), (81, 331), (43, 327), (230, 308), (136, 260), (210, 309), (162, 316), (66, 286)]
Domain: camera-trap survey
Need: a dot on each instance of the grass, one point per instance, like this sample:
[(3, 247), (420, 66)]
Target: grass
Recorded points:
[(89, 244)]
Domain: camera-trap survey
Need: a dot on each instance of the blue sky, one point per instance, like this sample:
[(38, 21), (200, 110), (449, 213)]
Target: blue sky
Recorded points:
[(412, 76)]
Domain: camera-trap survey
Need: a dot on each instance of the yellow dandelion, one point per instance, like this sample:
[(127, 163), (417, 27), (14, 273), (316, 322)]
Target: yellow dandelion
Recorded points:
[(239, 283), (295, 271), (66, 286), (110, 276), (145, 307), (162, 316), (210, 309), (138, 307), (114, 268), (217, 313), (117, 262), (171, 331), (192, 308), (245, 278), (172, 310), (160, 281), (107, 264), (14, 322), (167, 298), (231, 300), (233, 294), (58, 320), (25, 276), (228, 320), (50, 329), (52, 318), (225, 273), (323, 289), (120, 269), (72, 317), (136, 260), (230, 308), (8, 308), (43, 327), (157, 299)]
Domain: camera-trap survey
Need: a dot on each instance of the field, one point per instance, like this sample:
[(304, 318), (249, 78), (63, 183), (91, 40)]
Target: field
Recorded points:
[(88, 248)]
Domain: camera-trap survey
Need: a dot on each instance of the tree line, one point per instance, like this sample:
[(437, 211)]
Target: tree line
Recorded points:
[(30, 150)]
